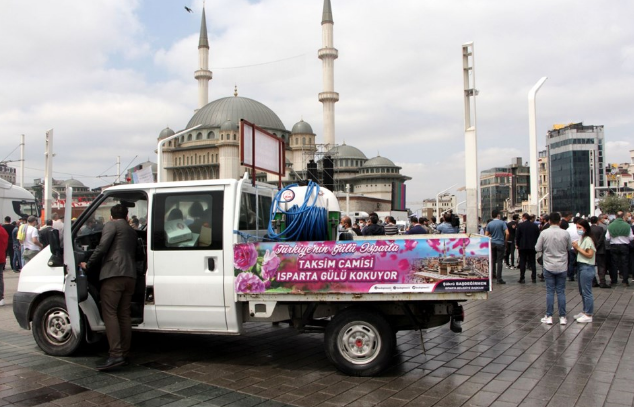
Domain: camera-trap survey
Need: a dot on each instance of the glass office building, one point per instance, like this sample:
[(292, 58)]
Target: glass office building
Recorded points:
[(504, 188), (576, 155)]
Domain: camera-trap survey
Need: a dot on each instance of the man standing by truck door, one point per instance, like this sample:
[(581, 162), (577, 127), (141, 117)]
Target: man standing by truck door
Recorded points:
[(499, 233), (116, 255)]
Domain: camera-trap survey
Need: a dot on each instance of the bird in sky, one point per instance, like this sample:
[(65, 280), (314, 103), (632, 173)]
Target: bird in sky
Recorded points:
[(188, 9)]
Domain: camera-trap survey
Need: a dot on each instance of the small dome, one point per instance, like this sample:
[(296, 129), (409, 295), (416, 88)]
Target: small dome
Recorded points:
[(166, 132), (346, 151), (73, 183), (301, 127), (379, 162), (229, 125)]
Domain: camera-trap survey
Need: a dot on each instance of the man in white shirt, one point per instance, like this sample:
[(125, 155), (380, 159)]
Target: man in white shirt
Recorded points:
[(59, 225), (32, 244)]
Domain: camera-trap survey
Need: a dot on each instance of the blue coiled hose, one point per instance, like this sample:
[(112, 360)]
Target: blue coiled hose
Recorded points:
[(303, 223)]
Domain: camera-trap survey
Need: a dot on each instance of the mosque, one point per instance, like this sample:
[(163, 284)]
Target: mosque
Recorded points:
[(211, 151)]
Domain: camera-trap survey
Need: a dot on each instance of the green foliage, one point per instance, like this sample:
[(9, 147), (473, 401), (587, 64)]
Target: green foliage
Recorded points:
[(612, 204)]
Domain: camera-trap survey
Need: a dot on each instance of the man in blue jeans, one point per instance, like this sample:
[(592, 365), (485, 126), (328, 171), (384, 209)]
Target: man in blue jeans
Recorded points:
[(554, 243), (499, 233)]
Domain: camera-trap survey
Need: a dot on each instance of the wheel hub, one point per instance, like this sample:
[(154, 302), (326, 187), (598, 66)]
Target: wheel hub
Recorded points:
[(58, 326), (359, 343)]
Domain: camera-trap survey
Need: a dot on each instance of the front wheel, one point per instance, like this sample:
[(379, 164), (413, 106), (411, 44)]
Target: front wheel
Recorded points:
[(359, 342), (51, 328)]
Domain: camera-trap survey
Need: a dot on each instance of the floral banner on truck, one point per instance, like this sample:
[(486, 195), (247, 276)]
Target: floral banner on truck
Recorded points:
[(416, 264)]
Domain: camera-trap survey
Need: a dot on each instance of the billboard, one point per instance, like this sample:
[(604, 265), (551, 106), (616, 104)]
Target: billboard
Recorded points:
[(413, 265)]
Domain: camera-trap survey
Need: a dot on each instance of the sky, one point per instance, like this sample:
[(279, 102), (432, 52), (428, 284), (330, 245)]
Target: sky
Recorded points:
[(109, 75)]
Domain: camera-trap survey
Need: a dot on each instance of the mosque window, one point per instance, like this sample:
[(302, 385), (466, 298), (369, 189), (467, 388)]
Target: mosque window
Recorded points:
[(199, 136), (216, 157), (207, 158), (303, 141), (211, 135), (222, 137), (189, 137), (235, 137)]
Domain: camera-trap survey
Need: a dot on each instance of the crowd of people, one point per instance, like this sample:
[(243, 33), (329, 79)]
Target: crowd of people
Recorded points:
[(568, 248), (374, 226), (22, 239)]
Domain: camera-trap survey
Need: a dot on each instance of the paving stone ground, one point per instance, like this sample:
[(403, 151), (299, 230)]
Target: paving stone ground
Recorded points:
[(504, 357)]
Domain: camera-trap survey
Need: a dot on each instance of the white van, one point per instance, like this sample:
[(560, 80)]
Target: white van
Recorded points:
[(187, 280), (16, 201)]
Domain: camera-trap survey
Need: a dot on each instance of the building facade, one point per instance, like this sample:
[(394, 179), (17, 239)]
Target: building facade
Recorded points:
[(8, 173), (542, 164), (576, 164), (504, 188)]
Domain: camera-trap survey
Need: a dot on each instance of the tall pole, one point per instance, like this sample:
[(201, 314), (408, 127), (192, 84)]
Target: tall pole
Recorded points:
[(532, 134), (48, 182), (470, 136), (22, 161), (118, 180)]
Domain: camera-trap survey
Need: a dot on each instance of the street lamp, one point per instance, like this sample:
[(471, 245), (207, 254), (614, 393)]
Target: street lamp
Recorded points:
[(438, 201), (470, 136)]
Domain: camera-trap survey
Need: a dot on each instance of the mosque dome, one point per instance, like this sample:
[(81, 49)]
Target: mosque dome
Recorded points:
[(166, 132), (301, 127), (346, 151), (229, 125), (73, 183), (379, 162), (234, 108)]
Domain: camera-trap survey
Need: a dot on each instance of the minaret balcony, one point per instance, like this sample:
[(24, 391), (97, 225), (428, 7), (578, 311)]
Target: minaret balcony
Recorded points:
[(328, 53), (203, 74), (328, 97)]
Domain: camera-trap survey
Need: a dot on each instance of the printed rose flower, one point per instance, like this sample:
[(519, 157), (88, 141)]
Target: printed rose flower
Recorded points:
[(267, 283), (410, 245), (244, 256), (270, 264), (249, 283)]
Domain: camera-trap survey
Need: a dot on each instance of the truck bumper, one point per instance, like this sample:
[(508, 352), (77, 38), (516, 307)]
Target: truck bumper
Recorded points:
[(22, 306)]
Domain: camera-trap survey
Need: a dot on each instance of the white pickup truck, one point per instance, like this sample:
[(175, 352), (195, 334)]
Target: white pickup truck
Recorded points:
[(207, 263)]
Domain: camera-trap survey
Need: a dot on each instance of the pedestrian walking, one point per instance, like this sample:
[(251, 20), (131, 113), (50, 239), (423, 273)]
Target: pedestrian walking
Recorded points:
[(553, 243), (115, 257), (498, 231), (598, 236), (509, 257), (586, 250), (8, 227), (32, 245), (526, 235)]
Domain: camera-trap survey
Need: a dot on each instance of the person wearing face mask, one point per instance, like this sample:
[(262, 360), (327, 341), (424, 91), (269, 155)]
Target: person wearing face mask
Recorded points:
[(585, 248)]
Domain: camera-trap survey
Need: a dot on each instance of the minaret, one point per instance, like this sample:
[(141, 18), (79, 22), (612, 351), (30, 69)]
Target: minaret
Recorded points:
[(328, 54), (203, 75)]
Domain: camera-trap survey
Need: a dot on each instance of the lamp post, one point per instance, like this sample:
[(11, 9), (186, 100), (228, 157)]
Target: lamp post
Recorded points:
[(532, 134), (159, 149), (438, 201), (470, 136)]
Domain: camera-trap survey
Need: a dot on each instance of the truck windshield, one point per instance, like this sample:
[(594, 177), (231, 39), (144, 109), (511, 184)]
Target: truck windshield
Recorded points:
[(28, 208)]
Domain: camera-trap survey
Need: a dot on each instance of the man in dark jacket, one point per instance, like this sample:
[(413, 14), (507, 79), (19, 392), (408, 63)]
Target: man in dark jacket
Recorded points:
[(373, 228), (598, 235), (526, 236), (415, 227), (115, 257)]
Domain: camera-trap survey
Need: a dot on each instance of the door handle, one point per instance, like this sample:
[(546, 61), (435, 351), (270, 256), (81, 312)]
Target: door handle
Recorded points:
[(211, 265)]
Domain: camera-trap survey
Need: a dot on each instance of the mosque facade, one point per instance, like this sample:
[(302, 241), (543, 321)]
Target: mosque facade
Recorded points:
[(212, 150)]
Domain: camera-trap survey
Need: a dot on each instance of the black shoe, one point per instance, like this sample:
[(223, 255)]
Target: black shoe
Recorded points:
[(604, 285), (571, 279), (111, 363), (521, 281), (501, 282)]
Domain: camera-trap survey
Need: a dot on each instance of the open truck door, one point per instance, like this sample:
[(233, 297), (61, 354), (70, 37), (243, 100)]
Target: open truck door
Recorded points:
[(70, 268)]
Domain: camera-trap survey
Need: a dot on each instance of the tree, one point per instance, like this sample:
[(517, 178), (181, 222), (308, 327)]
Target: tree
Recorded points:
[(612, 204)]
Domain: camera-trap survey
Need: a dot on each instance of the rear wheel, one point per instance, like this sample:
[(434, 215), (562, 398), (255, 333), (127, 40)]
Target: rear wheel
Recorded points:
[(359, 342), (51, 328)]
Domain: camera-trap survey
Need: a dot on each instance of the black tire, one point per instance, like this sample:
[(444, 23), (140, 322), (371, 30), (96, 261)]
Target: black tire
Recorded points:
[(359, 342), (51, 328)]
